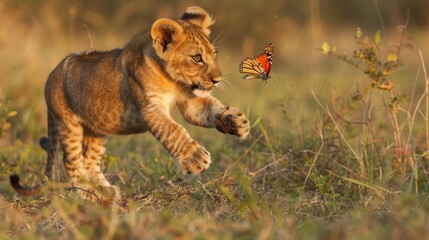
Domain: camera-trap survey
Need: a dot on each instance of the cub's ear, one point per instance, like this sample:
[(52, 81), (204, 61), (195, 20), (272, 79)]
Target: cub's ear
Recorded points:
[(165, 32), (199, 17)]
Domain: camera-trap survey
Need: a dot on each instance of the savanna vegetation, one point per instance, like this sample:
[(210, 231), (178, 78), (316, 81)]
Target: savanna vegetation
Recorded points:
[(340, 132)]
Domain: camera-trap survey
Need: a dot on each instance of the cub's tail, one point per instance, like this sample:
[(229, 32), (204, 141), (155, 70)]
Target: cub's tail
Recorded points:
[(34, 190), (24, 190)]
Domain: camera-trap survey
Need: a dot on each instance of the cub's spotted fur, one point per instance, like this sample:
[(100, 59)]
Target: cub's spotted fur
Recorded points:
[(132, 90)]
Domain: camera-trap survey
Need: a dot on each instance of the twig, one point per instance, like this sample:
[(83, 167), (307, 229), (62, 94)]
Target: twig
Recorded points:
[(358, 158), (368, 110), (348, 121), (114, 221), (427, 98), (89, 35), (377, 8), (239, 158), (367, 185), (147, 201), (267, 166), (84, 190), (75, 231), (314, 160), (417, 107), (403, 34), (205, 189)]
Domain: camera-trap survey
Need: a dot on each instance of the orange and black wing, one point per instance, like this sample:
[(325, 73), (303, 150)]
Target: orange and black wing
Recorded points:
[(251, 67), (259, 66)]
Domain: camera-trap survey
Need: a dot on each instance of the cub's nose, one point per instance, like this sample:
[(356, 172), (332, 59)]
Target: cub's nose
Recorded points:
[(216, 80)]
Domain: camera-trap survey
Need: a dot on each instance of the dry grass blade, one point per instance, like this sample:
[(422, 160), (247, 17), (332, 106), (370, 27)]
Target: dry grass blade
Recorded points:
[(357, 157), (77, 234), (427, 99), (241, 156), (376, 188), (316, 156)]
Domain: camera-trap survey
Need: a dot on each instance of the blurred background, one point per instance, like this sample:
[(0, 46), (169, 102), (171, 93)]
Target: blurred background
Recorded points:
[(35, 35)]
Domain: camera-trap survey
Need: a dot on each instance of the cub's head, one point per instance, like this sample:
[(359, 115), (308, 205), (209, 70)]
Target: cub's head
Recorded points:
[(185, 49)]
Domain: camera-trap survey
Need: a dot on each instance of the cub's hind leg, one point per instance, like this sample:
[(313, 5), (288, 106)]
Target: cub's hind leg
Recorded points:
[(94, 148), (71, 138)]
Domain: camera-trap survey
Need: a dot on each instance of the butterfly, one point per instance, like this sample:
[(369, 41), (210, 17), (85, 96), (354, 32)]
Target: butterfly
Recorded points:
[(259, 66)]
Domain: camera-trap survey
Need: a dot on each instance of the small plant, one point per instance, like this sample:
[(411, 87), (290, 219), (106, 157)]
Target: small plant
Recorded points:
[(374, 63), (377, 64), (5, 115)]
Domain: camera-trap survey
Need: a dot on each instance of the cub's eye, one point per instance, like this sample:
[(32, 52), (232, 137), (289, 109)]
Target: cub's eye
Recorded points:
[(197, 58)]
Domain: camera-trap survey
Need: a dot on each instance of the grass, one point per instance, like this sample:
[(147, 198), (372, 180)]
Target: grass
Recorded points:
[(321, 163)]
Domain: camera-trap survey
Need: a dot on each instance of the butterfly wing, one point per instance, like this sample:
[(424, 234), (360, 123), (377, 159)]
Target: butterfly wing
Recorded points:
[(259, 66), (266, 58), (251, 67), (265, 63)]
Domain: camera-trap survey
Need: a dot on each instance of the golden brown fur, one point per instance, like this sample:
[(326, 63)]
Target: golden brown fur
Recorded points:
[(132, 90)]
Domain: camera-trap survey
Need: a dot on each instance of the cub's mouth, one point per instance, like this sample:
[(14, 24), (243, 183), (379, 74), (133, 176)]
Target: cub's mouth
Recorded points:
[(204, 87)]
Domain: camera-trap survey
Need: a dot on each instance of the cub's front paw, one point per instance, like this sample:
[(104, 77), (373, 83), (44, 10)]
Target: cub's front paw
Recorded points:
[(195, 159), (233, 122)]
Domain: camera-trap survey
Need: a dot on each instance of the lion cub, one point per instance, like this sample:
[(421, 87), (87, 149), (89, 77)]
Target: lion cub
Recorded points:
[(133, 90)]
